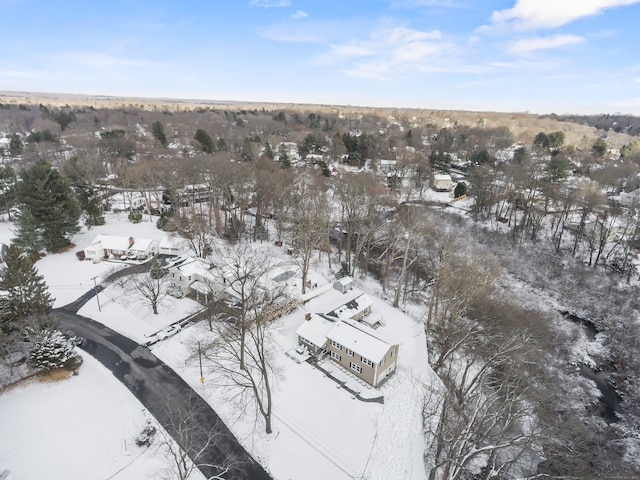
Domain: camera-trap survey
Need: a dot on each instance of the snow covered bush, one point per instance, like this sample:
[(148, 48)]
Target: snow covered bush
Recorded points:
[(52, 350)]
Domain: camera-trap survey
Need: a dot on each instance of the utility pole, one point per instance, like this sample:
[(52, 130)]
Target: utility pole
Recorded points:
[(200, 359), (95, 287)]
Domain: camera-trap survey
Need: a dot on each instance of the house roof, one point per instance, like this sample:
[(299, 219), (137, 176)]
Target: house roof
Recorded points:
[(361, 339), (345, 281), (193, 266), (315, 329), (171, 241), (142, 244), (352, 307), (442, 177), (111, 242)]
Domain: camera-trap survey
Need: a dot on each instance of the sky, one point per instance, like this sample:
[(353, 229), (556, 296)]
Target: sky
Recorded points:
[(540, 56)]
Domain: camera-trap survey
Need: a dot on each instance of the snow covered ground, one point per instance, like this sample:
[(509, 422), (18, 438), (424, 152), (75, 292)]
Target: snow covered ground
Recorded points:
[(320, 430), (78, 428)]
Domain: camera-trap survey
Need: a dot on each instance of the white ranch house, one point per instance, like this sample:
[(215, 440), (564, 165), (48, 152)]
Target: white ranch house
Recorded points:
[(115, 247)]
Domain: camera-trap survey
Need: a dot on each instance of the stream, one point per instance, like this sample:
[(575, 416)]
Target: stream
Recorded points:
[(609, 400)]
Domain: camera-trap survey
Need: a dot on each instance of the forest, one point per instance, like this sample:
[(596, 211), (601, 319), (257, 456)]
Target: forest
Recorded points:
[(526, 280)]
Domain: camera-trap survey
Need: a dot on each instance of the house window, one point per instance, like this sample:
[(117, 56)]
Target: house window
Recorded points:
[(366, 361), (336, 356), (384, 359), (393, 352), (355, 367), (336, 345), (349, 352)]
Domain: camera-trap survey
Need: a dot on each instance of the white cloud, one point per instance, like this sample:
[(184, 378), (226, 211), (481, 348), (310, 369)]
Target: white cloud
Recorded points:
[(299, 14), (387, 51), (102, 61), (526, 45), (530, 14), (270, 3)]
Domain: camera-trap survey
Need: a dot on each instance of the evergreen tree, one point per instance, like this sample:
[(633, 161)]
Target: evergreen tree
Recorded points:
[(157, 130), (7, 187), (49, 198), (52, 350), (28, 235), (205, 140), (25, 292), (460, 190), (15, 145)]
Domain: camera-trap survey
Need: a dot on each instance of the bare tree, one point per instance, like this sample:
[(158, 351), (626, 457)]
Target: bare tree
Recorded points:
[(151, 287), (310, 221), (189, 445), (244, 277), (241, 360)]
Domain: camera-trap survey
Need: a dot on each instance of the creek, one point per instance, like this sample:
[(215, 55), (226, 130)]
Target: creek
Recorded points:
[(609, 401)]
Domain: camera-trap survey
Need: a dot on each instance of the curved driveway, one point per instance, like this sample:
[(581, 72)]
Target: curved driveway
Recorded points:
[(165, 394)]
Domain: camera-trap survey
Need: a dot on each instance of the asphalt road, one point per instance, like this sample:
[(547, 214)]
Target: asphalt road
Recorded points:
[(180, 410)]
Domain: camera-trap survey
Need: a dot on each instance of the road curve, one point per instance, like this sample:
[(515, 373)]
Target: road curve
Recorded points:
[(164, 394)]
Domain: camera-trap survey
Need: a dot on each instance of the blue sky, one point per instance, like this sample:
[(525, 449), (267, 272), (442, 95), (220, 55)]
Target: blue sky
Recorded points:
[(542, 56)]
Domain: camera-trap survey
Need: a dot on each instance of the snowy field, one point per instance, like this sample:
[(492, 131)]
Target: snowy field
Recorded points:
[(321, 431), (82, 427)]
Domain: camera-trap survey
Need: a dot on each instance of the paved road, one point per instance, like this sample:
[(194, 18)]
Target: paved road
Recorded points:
[(164, 394)]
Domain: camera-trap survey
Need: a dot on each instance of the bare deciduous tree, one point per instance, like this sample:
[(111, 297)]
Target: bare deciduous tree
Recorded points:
[(150, 287), (189, 445)]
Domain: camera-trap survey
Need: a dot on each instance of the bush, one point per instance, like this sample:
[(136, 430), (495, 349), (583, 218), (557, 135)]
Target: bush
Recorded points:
[(163, 222), (135, 216), (52, 350), (460, 190)]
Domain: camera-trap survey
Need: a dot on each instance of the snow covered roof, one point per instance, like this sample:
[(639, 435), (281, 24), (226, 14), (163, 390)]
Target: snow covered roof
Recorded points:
[(194, 266), (441, 177), (315, 329), (171, 241), (111, 242), (142, 244), (352, 307), (361, 339)]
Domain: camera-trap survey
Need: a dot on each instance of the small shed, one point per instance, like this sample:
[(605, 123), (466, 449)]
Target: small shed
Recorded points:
[(344, 284), (442, 182)]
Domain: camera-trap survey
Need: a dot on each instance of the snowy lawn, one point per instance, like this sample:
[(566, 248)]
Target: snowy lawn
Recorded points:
[(80, 427)]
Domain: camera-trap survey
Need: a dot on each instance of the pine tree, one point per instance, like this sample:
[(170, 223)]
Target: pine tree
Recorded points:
[(25, 292), (29, 235), (47, 195), (157, 130), (52, 350)]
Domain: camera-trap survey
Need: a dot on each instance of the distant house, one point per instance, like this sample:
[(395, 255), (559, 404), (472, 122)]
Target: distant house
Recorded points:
[(123, 202), (104, 246), (442, 182), (192, 274), (142, 248), (120, 248), (387, 166)]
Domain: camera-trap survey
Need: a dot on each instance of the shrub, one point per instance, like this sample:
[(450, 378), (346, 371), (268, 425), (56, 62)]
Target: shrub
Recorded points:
[(460, 190), (135, 216), (52, 350)]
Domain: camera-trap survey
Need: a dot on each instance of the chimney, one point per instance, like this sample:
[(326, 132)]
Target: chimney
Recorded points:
[(307, 316)]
